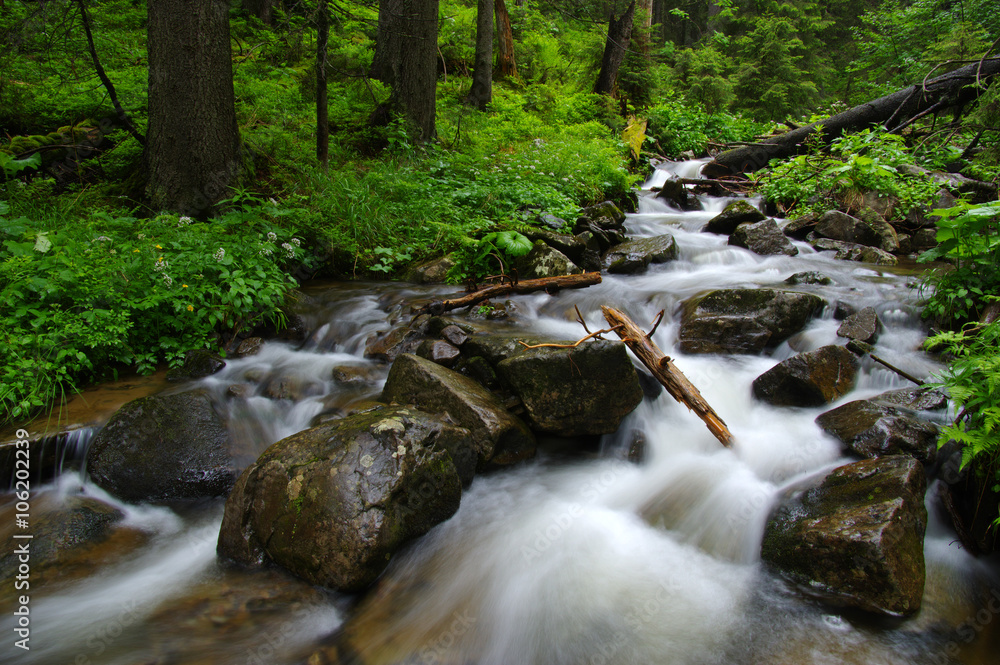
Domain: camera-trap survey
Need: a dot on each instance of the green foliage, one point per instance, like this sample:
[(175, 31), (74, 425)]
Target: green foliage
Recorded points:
[(972, 380), (969, 235), (857, 163), (677, 125), (772, 81)]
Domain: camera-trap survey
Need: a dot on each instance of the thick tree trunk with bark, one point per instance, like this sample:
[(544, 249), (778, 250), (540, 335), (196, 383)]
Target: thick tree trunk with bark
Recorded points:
[(481, 93), (193, 144), (895, 111), (644, 23), (619, 36), (406, 60), (506, 67), (262, 9)]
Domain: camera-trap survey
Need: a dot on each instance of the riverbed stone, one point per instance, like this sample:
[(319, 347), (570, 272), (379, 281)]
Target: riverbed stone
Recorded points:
[(163, 448), (856, 538), (197, 364), (385, 346), (439, 351), (813, 378), (916, 399), (497, 437), (544, 261), (605, 221), (433, 271), (763, 237), (864, 326), (331, 504), (675, 193), (837, 225), (868, 428), (808, 277), (736, 213), (744, 321), (847, 251), (634, 256), (576, 248), (577, 391)]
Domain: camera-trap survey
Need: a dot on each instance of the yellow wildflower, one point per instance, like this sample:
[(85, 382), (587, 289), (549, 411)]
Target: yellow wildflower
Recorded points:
[(190, 308)]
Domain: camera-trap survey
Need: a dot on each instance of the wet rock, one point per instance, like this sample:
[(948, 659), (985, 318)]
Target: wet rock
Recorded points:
[(385, 346), (837, 225), (434, 271), (870, 429), (249, 347), (496, 436), (572, 392), (495, 347), (842, 310), (923, 239), (59, 525), (439, 351), (888, 239), (923, 218), (544, 261), (605, 222), (744, 320), (764, 238), (162, 448), (479, 370), (293, 387), (634, 256), (355, 376), (332, 504), (454, 335), (864, 326), (606, 209), (575, 248), (800, 227), (553, 222), (852, 252), (240, 391), (675, 193), (295, 329), (736, 213), (856, 539), (809, 277), (197, 364), (916, 399), (813, 378)]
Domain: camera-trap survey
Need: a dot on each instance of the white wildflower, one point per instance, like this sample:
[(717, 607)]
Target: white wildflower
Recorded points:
[(160, 265), (219, 254), (167, 281), (296, 242), (184, 221), (142, 236), (289, 250), (271, 236)]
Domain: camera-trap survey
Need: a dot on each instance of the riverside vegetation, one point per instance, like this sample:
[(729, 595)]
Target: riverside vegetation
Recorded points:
[(95, 282)]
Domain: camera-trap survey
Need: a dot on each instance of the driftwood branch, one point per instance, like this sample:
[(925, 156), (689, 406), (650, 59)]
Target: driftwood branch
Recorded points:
[(666, 372), (862, 349), (524, 286)]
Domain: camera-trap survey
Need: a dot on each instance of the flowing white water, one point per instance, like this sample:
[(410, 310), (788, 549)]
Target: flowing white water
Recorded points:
[(563, 562)]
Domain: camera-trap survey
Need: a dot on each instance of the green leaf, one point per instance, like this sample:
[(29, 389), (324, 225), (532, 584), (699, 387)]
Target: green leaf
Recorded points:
[(42, 243)]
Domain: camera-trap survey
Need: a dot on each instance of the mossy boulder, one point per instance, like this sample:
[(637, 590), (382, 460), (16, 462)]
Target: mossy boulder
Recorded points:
[(813, 378), (744, 320), (764, 238), (544, 261), (331, 504), (496, 436), (736, 213), (577, 391), (870, 429), (857, 538), (162, 448), (634, 256)]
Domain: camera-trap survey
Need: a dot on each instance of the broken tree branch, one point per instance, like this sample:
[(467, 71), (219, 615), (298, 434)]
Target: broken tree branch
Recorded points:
[(666, 372), (524, 286), (860, 348)]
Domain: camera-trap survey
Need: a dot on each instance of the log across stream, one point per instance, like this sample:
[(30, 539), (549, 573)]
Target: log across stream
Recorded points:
[(577, 556)]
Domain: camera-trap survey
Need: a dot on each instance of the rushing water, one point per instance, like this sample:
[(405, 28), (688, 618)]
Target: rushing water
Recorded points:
[(569, 559)]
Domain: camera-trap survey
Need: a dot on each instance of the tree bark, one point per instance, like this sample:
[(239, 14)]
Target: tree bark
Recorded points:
[(644, 18), (262, 9), (322, 112), (193, 144), (481, 93), (666, 372), (619, 36), (406, 59), (896, 110), (506, 67), (524, 286)]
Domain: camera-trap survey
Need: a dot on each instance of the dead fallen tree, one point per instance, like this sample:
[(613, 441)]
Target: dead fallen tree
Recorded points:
[(682, 390), (894, 111), (506, 288)]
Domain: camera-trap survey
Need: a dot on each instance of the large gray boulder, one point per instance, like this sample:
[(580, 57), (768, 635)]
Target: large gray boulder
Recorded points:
[(497, 437), (837, 225), (857, 538), (868, 428), (605, 222), (736, 213), (544, 261), (764, 238), (332, 504), (745, 320), (162, 448), (864, 326), (577, 391), (813, 378), (634, 256)]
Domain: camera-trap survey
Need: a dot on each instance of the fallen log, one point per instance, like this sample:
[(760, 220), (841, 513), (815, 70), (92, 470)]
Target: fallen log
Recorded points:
[(666, 372), (896, 110), (524, 286)]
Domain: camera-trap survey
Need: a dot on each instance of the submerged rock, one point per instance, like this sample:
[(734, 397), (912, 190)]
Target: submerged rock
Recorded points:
[(847, 251), (870, 429), (745, 320), (634, 256), (764, 238), (813, 378), (497, 437), (332, 504), (856, 539), (574, 391), (164, 447), (736, 213)]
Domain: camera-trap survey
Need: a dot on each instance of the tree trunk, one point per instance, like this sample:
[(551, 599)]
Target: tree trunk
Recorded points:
[(619, 36), (548, 284), (262, 9), (406, 59), (193, 143), (322, 117), (644, 19), (506, 67), (481, 93), (951, 90)]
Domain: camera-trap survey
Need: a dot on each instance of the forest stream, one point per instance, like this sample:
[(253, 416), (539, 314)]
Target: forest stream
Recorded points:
[(575, 557)]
